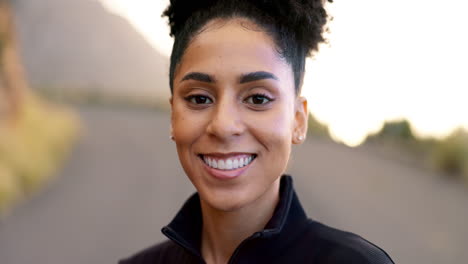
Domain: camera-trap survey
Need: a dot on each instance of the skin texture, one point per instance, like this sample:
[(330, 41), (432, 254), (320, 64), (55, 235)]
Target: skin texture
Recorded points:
[(220, 115)]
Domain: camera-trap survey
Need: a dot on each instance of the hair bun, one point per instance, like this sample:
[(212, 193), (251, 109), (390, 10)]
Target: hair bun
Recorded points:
[(305, 18), (179, 11)]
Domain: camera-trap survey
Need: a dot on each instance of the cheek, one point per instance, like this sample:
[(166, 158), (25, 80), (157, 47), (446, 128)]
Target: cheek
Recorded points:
[(185, 133), (186, 126), (274, 131)]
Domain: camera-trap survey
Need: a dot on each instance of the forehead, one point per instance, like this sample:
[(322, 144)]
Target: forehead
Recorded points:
[(235, 45)]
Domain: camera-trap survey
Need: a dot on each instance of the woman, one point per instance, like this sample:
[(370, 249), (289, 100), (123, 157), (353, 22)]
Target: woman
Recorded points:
[(235, 76)]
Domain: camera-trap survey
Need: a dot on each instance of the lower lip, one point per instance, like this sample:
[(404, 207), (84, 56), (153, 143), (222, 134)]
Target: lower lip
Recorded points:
[(226, 174)]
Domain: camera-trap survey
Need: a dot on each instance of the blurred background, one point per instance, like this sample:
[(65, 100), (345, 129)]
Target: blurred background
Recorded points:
[(88, 173)]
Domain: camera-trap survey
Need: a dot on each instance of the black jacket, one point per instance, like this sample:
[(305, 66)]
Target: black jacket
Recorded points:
[(289, 237)]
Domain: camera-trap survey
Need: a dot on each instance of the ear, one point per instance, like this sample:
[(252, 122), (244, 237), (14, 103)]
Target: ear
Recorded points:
[(172, 105), (300, 120), (171, 131)]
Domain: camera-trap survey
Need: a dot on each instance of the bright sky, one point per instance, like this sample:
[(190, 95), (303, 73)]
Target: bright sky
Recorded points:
[(386, 60)]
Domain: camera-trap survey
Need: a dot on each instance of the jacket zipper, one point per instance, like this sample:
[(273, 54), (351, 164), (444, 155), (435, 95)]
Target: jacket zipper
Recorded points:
[(236, 252), (174, 237)]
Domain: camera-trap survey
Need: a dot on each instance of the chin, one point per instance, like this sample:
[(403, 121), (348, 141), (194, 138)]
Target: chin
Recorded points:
[(225, 200)]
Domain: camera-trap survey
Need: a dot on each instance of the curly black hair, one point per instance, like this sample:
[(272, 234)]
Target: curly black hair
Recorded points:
[(296, 26)]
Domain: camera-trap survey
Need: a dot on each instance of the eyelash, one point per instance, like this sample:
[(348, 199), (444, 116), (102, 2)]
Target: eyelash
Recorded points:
[(198, 96), (264, 96)]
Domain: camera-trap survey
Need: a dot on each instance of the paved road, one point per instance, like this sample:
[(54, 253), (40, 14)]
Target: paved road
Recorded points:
[(123, 183)]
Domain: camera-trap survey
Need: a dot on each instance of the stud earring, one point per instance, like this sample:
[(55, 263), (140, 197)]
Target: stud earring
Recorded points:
[(300, 138)]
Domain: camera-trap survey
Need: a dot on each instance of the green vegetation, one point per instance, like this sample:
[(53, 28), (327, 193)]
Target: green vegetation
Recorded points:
[(33, 148), (394, 130), (448, 155), (316, 128), (451, 154), (399, 135)]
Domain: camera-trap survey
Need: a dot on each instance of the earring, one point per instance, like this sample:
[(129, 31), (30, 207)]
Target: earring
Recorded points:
[(171, 137), (300, 138)]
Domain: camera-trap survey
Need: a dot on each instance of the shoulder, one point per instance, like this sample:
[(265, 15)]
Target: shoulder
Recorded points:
[(337, 246), (163, 252)]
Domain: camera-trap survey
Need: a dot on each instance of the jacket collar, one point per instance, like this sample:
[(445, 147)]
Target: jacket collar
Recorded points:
[(185, 228)]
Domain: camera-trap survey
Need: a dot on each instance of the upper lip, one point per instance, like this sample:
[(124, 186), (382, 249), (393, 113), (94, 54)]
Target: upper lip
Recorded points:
[(226, 155)]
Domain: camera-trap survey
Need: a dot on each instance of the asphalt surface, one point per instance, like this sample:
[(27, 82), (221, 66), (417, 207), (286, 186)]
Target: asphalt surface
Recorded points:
[(123, 182)]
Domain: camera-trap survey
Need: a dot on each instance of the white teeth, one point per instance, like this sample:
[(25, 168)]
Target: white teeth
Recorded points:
[(227, 164), (221, 165)]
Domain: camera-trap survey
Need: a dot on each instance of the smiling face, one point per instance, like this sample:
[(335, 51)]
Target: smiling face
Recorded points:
[(235, 114)]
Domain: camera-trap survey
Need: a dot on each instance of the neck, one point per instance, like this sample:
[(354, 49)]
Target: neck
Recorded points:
[(223, 231)]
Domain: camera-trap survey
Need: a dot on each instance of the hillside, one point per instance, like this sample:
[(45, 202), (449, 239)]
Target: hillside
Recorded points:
[(79, 45)]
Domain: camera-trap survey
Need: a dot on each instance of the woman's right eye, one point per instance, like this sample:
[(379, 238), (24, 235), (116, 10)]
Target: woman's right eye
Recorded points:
[(199, 99)]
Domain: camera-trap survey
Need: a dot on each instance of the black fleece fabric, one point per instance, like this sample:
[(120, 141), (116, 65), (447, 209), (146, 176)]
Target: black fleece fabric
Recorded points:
[(289, 237)]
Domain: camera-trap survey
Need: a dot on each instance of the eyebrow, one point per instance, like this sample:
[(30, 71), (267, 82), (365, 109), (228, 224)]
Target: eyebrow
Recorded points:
[(244, 78), (256, 76), (198, 76)]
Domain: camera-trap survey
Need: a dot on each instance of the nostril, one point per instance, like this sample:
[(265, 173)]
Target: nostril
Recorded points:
[(225, 127)]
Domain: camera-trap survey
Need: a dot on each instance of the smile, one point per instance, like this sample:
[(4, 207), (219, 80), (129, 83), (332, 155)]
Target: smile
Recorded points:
[(231, 163)]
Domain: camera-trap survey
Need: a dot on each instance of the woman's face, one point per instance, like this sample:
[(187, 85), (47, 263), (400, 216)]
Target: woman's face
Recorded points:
[(235, 114)]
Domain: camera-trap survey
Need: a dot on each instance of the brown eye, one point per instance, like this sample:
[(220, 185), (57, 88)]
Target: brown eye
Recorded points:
[(199, 99), (258, 99)]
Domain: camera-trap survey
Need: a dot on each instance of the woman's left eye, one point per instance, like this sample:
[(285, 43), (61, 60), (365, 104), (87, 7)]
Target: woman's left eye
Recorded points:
[(258, 99), (199, 99)]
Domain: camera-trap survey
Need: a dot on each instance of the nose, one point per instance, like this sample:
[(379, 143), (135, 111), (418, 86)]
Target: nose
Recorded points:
[(226, 121)]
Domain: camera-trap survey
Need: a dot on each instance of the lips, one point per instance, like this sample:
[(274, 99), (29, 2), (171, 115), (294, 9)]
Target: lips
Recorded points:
[(228, 162)]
